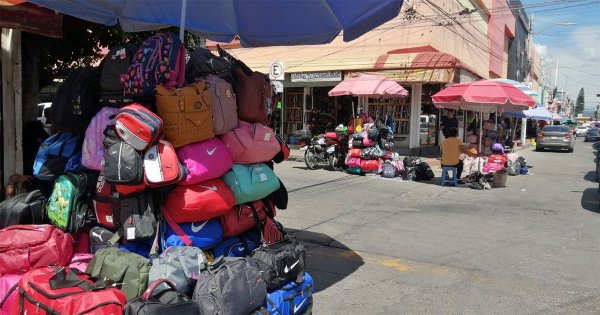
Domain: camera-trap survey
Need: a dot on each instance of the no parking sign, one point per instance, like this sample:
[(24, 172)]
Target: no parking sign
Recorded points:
[(276, 72)]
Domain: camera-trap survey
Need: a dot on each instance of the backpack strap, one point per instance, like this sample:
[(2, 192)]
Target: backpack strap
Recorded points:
[(176, 228), (8, 293)]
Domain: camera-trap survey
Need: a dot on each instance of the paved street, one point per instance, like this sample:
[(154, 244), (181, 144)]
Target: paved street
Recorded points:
[(377, 246)]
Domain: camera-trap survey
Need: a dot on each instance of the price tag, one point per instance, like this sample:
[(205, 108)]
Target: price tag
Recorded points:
[(131, 233)]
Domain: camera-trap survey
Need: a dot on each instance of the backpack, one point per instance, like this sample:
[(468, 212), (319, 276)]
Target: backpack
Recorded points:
[(388, 170), (93, 148), (114, 69), (123, 165), (199, 202), (69, 207), (115, 266), (55, 154), (179, 265), (22, 209), (168, 301), (237, 277), (293, 298), (251, 182), (424, 172), (60, 289), (107, 203), (254, 93), (160, 60), (251, 143), (224, 105), (26, 247), (76, 101), (411, 161), (204, 63)]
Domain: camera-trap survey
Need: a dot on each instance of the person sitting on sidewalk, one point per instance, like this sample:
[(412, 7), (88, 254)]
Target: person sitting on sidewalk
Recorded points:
[(451, 149)]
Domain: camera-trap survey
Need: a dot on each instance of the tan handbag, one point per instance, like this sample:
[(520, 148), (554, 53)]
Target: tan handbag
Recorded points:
[(186, 113)]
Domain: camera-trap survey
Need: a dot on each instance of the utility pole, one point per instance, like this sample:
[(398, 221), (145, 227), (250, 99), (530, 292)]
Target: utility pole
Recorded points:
[(556, 75)]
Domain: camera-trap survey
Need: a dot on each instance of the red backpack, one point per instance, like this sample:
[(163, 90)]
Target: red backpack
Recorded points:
[(54, 290)]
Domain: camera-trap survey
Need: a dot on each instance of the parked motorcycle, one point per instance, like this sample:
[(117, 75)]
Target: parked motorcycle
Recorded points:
[(315, 153), (337, 149)]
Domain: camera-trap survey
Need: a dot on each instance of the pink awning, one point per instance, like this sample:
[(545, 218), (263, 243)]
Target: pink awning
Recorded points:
[(369, 85)]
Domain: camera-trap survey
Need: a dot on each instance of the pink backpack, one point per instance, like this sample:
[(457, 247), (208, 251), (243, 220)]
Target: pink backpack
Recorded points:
[(204, 160), (8, 292), (224, 106), (353, 162), (251, 143), (93, 150), (492, 167)]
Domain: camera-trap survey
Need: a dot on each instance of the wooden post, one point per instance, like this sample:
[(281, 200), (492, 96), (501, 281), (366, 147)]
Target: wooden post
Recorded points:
[(12, 121)]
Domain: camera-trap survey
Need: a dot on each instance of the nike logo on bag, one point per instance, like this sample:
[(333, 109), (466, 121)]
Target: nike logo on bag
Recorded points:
[(197, 229), (210, 152), (297, 307), (286, 270), (213, 187)]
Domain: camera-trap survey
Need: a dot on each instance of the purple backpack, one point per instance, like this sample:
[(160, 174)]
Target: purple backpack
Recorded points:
[(93, 149), (159, 60)]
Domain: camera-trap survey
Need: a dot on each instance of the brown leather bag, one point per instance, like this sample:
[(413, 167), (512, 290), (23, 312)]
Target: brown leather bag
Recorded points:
[(253, 93), (186, 113)]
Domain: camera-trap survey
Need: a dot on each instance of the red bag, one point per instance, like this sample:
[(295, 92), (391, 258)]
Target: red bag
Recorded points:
[(272, 231), (81, 241), (26, 247), (8, 292), (106, 203), (200, 202), (62, 290), (239, 219), (356, 153), (130, 189), (138, 126), (161, 166), (370, 165), (253, 92), (284, 154)]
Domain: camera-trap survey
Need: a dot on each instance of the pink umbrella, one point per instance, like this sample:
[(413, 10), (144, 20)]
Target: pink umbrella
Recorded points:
[(369, 86), (483, 96)]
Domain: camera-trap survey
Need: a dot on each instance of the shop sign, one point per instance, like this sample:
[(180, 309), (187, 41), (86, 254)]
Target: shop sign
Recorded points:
[(324, 76), (276, 71)]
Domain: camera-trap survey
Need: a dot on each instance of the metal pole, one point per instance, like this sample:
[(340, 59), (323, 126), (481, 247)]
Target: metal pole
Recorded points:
[(182, 19)]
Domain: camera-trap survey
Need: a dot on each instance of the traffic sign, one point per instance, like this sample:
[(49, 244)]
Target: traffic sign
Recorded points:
[(277, 71)]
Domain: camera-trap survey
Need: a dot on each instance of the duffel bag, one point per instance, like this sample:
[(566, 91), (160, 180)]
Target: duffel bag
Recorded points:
[(80, 261), (169, 301), (204, 160), (226, 278), (292, 298), (224, 106), (237, 246), (367, 142), (138, 126), (69, 207), (411, 161), (22, 209), (251, 143), (200, 202), (54, 155), (357, 143), (272, 231), (9, 292), (353, 161), (353, 170), (204, 234), (357, 153), (161, 165), (251, 182), (186, 112), (126, 270), (280, 262), (62, 290), (180, 265), (371, 153), (239, 219), (370, 165), (123, 164)]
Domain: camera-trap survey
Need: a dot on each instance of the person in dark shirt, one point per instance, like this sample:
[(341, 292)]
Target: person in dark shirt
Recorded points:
[(449, 122)]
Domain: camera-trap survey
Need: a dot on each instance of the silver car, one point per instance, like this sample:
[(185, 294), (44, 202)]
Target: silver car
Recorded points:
[(555, 137)]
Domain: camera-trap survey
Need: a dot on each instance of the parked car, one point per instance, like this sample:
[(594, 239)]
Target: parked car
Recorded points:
[(581, 130), (592, 135), (555, 137), (41, 108)]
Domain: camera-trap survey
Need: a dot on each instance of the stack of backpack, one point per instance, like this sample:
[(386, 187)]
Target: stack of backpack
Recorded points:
[(161, 197), (368, 147)]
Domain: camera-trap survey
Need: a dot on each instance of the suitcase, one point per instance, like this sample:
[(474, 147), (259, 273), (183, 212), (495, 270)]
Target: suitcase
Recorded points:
[(22, 209)]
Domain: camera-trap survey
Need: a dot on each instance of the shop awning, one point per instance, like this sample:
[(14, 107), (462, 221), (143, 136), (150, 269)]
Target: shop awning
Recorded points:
[(31, 18)]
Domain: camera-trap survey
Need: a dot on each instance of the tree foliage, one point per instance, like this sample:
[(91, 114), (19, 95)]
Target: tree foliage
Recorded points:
[(580, 103)]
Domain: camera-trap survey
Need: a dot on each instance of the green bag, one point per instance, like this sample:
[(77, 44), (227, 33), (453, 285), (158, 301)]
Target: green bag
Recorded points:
[(69, 206), (120, 268)]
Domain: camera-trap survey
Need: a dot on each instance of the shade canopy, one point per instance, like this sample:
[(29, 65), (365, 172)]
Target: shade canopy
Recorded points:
[(518, 85), (537, 113), (369, 86), (483, 96), (256, 22)]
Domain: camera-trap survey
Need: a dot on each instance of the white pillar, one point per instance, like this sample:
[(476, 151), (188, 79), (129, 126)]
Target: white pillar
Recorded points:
[(415, 117), (523, 132), (12, 120), (304, 95)]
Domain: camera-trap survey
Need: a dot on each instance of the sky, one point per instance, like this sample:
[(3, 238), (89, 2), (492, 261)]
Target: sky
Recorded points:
[(576, 47)]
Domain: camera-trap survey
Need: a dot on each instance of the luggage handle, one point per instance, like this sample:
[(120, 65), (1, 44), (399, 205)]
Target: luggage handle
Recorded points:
[(148, 293), (62, 279)]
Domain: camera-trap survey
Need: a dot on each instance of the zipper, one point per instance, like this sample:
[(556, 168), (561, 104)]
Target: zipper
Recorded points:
[(99, 306), (37, 304), (140, 114), (52, 296), (119, 162)]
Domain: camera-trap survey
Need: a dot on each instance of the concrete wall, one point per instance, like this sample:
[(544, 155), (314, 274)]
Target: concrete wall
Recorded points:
[(518, 53)]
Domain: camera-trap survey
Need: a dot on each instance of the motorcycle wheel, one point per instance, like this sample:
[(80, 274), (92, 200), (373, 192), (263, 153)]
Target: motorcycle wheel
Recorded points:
[(334, 163), (310, 159)]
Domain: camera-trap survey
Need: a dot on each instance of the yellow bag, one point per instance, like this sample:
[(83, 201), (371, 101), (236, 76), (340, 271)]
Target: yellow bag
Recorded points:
[(186, 113), (358, 125)]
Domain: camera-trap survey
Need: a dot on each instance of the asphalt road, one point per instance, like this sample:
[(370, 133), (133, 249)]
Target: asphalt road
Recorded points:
[(380, 246)]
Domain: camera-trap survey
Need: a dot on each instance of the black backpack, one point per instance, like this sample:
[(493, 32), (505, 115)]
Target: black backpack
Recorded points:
[(22, 209), (77, 100), (424, 172), (123, 164), (203, 62), (114, 67)]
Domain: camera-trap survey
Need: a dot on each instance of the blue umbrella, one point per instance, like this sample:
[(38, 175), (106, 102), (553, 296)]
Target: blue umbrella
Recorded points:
[(256, 22), (538, 113)]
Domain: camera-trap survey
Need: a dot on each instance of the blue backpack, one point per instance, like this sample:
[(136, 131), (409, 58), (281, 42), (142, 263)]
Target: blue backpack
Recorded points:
[(57, 155), (292, 298), (237, 246), (204, 234), (251, 182)]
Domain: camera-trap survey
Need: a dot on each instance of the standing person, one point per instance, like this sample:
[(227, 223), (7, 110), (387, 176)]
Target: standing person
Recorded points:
[(449, 121), (451, 148)]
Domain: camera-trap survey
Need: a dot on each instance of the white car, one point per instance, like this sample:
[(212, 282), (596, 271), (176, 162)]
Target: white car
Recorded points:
[(581, 130)]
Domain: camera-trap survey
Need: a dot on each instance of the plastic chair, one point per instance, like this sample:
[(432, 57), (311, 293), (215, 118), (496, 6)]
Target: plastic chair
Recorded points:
[(453, 179)]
